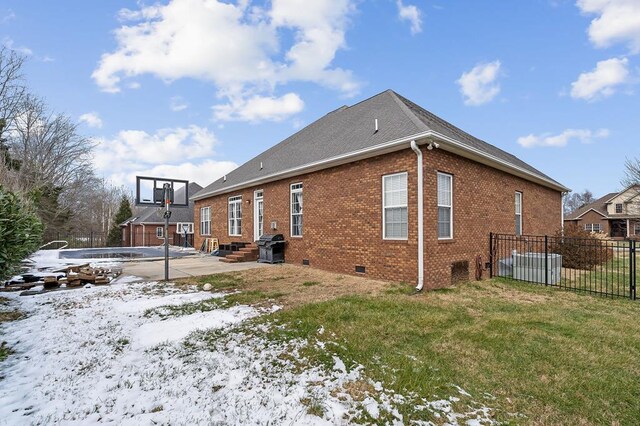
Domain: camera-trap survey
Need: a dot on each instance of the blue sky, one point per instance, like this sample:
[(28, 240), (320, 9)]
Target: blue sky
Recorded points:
[(192, 88)]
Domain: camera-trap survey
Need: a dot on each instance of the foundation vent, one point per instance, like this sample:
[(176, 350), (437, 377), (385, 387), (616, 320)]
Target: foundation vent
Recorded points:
[(360, 269), (459, 272)]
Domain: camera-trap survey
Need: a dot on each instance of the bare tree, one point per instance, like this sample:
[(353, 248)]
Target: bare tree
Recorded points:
[(632, 172), (12, 88), (575, 200)]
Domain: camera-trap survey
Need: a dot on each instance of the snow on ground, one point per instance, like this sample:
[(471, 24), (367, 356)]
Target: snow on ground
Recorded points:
[(91, 355)]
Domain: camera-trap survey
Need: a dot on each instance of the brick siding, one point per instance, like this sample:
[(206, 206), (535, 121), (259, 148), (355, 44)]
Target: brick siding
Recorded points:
[(343, 215)]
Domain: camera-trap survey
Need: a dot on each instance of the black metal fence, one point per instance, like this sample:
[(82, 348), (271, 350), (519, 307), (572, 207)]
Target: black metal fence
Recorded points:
[(72, 240), (591, 265), (55, 240)]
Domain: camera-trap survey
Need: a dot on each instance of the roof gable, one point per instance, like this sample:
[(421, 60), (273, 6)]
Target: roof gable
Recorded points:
[(599, 206)]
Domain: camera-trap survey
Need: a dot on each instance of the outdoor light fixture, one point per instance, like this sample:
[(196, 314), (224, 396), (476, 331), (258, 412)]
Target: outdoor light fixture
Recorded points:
[(433, 145)]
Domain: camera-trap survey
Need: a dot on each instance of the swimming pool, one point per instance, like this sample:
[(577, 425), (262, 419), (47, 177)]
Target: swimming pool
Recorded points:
[(120, 253)]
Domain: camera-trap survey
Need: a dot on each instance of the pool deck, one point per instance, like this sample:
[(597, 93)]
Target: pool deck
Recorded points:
[(191, 266)]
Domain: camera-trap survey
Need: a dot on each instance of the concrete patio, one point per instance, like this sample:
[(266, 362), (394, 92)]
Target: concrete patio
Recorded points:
[(191, 266)]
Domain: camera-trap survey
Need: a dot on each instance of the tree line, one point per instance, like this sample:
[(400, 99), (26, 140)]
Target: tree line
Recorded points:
[(46, 171)]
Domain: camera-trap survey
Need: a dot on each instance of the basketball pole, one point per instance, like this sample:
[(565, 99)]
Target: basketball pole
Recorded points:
[(167, 215)]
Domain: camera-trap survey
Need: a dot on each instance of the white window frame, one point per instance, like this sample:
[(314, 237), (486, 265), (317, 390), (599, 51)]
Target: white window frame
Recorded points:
[(258, 230), (592, 227), (296, 188), (450, 206), (235, 222), (160, 232), (205, 220), (385, 207), (518, 212)]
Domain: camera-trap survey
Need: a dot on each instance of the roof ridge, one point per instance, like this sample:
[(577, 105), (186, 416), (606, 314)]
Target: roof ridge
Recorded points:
[(407, 111)]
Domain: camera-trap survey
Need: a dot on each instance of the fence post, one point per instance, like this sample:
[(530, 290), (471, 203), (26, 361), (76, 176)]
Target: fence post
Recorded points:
[(546, 260), (632, 269), (490, 254)]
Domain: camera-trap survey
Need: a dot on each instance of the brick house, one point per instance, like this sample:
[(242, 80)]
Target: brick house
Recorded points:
[(368, 207), (617, 214), (146, 228)]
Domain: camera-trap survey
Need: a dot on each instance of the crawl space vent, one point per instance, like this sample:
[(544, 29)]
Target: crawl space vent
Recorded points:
[(459, 272)]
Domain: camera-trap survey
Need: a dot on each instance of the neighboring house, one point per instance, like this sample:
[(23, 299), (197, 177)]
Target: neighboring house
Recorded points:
[(616, 214), (147, 227), (346, 192)]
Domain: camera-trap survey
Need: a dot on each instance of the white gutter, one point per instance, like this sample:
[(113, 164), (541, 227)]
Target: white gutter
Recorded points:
[(395, 145), (349, 157), (418, 152)]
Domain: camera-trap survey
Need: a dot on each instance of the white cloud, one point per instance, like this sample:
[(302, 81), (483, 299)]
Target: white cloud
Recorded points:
[(180, 153), (92, 119), (412, 14), (9, 16), (480, 85), (602, 81), (203, 172), (241, 49), (10, 44), (618, 21), (178, 104), (259, 108), (562, 139)]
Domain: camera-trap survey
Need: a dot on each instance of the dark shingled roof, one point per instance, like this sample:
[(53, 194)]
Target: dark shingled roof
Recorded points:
[(349, 129), (598, 205), (155, 215)]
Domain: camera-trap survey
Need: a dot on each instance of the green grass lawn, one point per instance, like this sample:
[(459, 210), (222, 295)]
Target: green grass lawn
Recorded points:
[(534, 355), (611, 277)]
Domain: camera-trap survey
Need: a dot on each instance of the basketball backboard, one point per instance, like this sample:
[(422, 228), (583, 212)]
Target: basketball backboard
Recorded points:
[(150, 191)]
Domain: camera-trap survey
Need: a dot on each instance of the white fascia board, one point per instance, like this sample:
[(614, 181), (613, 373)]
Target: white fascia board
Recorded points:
[(479, 156), (450, 145), (350, 157), (578, 217)]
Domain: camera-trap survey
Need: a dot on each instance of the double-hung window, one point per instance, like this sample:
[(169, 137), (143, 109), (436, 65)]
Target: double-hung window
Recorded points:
[(394, 207), (592, 227), (445, 206), (235, 216), (160, 232), (296, 210), (205, 221), (518, 207), (619, 208)]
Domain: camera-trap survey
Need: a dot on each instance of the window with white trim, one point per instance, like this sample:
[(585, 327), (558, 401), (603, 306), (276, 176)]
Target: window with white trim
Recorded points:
[(205, 221), (445, 206), (592, 227), (235, 216), (160, 232), (518, 208), (296, 210), (636, 228), (394, 207), (618, 207)]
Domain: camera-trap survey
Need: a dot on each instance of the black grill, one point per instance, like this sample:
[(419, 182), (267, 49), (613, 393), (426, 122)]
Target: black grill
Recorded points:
[(271, 248)]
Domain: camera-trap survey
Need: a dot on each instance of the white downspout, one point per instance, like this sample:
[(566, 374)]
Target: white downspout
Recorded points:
[(143, 234), (131, 236), (415, 149), (562, 212)]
